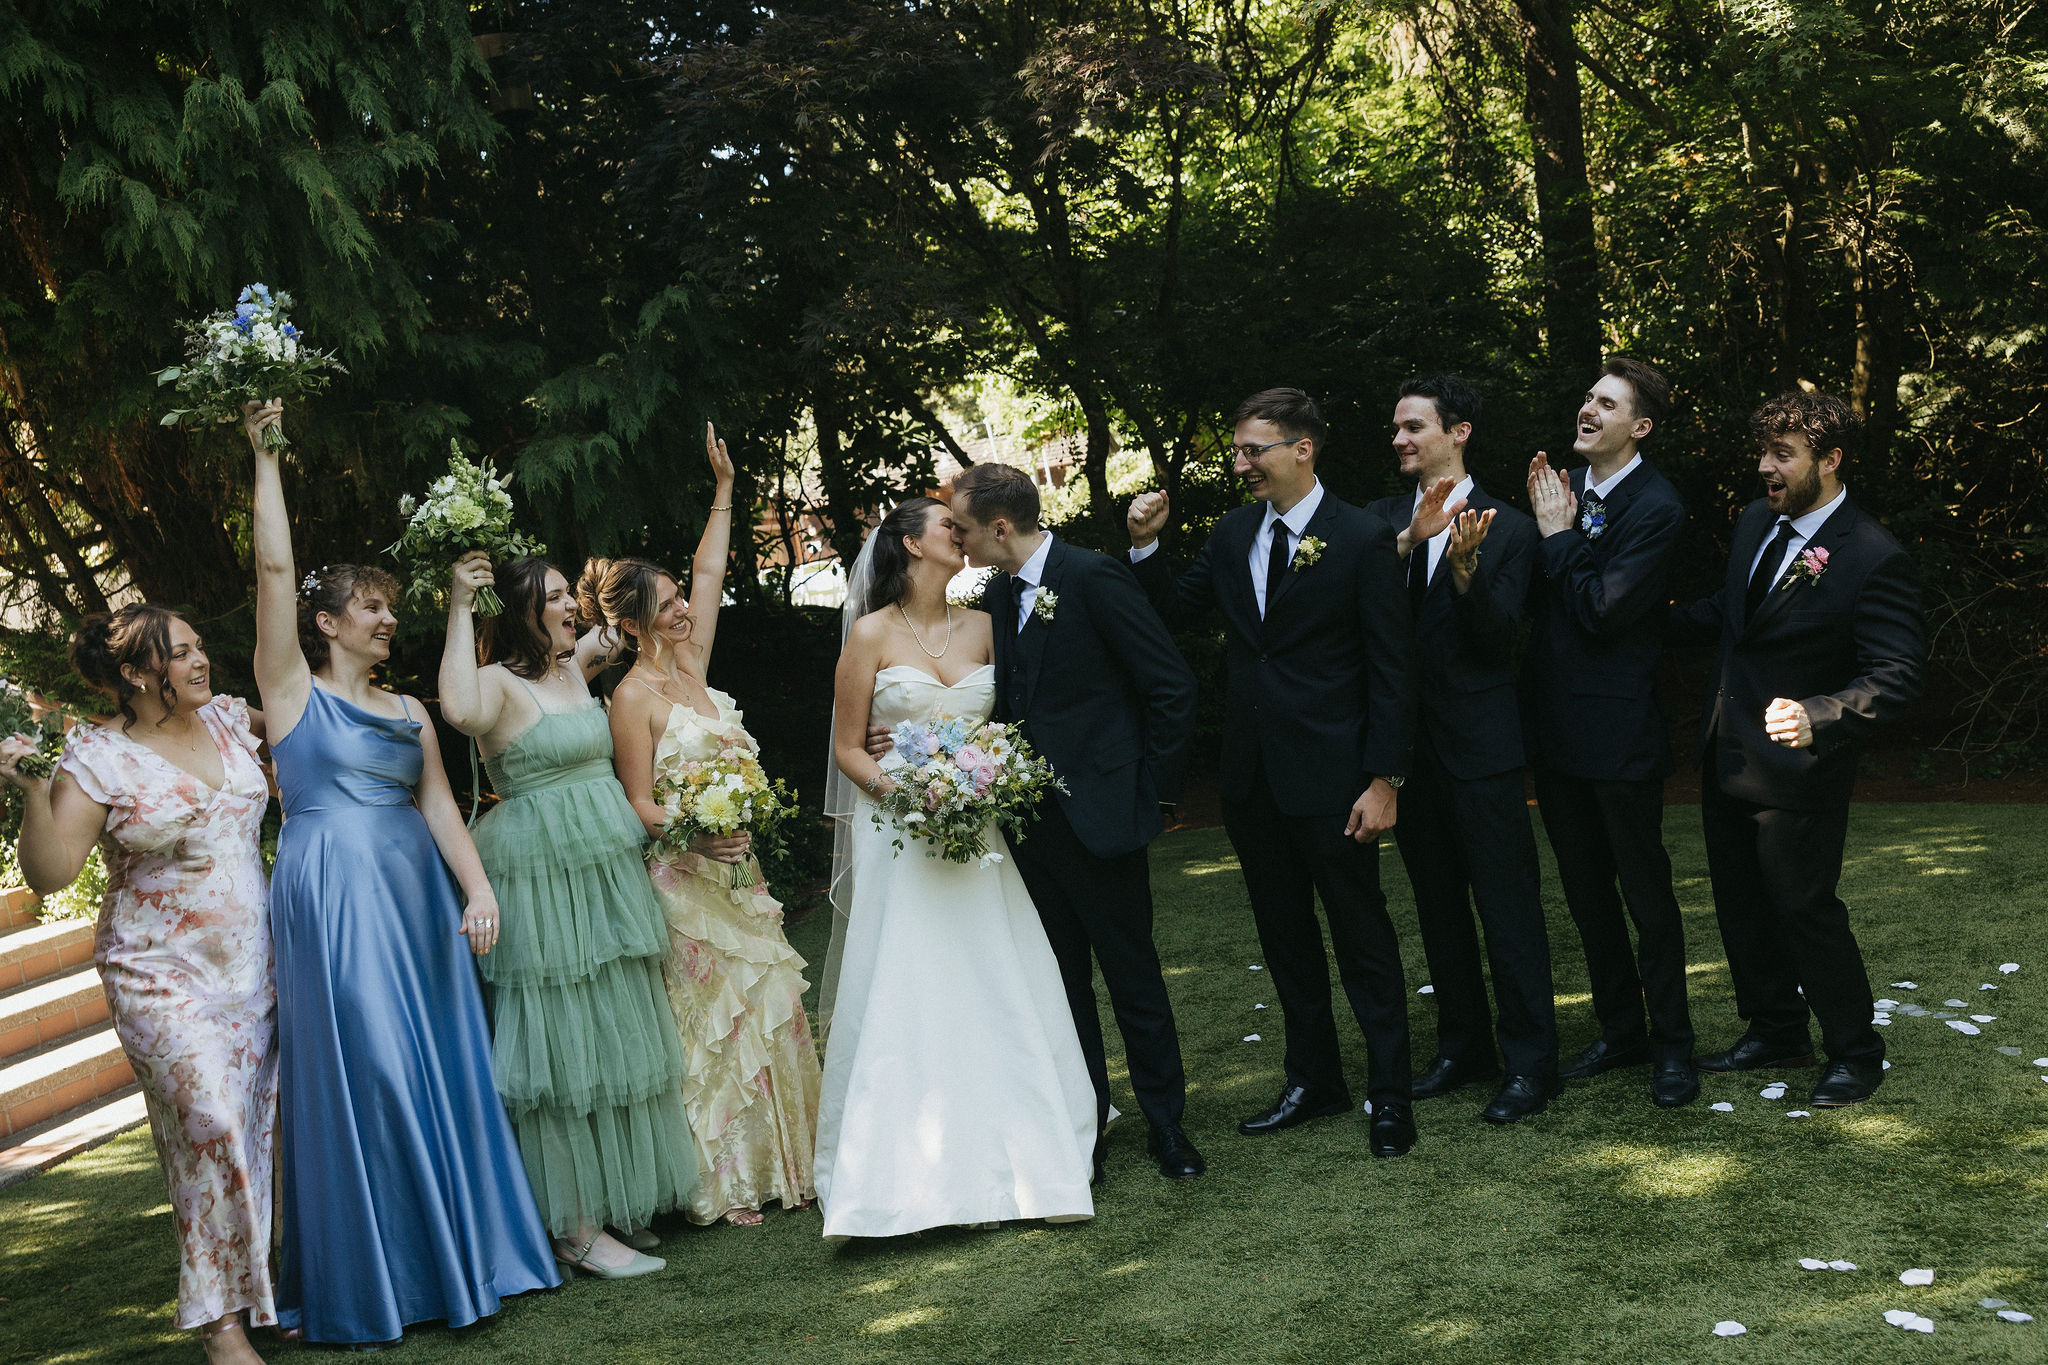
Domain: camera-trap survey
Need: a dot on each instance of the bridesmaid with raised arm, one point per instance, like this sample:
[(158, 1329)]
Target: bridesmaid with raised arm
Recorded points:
[(404, 1199), (584, 1041), (174, 796), (751, 1086)]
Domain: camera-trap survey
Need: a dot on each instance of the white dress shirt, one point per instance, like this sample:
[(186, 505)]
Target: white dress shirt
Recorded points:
[(1601, 490), (1032, 572), (1803, 528), (1442, 539), (1297, 520)]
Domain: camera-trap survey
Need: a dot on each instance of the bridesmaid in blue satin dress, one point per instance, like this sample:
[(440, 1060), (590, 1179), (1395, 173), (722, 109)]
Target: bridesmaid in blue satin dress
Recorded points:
[(404, 1196)]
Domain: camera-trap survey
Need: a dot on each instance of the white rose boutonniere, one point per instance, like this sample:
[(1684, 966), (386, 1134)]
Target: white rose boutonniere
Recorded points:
[(1306, 553), (1045, 604)]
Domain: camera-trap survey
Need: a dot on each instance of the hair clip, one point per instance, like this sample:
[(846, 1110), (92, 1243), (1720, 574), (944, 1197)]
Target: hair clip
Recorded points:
[(311, 581)]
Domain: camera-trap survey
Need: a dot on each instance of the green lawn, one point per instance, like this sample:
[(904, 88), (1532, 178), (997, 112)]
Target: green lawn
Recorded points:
[(1603, 1230)]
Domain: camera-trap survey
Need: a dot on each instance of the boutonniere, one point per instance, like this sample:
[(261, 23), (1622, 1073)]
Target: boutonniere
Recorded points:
[(1592, 518), (1045, 604), (1811, 564), (1306, 553)]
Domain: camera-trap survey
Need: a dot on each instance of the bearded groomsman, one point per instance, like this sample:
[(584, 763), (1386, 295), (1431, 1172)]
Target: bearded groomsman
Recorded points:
[(1315, 745), (1599, 745), (1820, 639), (1464, 833)]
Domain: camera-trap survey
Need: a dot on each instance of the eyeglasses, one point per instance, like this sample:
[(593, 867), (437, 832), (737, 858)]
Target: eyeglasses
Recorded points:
[(1253, 452)]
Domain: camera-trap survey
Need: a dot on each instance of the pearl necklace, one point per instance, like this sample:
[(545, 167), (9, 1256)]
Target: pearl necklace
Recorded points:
[(920, 641)]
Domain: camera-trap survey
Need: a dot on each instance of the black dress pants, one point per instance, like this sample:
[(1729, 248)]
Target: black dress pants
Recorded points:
[(1287, 860), (1470, 841), (1605, 833), (1100, 910), (1775, 874)]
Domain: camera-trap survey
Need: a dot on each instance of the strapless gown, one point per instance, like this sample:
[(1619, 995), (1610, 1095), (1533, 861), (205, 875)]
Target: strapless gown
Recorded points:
[(955, 1091), (404, 1198)]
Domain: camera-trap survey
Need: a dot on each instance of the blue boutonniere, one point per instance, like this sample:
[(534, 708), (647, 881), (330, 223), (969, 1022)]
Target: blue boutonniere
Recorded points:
[(1592, 519)]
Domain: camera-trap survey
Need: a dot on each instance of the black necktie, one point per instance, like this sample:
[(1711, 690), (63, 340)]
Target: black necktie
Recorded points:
[(1277, 560), (1018, 587), (1418, 574), (1767, 569)]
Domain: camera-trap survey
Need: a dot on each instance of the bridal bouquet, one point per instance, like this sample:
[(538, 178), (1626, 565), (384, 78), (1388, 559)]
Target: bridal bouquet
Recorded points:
[(18, 716), (251, 353), (724, 794), (959, 778), (468, 508)]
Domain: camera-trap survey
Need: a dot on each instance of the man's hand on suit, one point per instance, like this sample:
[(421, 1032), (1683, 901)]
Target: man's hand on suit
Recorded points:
[(1550, 496), (1786, 721), (1372, 814)]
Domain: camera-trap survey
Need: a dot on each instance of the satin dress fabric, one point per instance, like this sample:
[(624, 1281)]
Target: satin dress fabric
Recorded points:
[(955, 1091), (404, 1197)]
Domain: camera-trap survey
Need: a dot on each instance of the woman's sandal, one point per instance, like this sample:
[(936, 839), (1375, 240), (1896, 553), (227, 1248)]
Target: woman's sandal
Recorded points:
[(745, 1218), (580, 1260)]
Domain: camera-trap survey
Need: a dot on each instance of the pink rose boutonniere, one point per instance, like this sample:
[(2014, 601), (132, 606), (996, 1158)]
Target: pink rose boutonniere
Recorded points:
[(1812, 564)]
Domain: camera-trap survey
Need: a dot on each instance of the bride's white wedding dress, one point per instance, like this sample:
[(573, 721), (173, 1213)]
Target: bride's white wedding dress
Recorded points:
[(955, 1091)]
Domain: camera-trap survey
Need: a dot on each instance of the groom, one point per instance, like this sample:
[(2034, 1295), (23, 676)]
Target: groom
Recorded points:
[(1091, 676)]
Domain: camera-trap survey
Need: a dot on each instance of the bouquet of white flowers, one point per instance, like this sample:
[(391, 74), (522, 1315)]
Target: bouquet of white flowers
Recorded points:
[(724, 794), (248, 355), (468, 508), (42, 726)]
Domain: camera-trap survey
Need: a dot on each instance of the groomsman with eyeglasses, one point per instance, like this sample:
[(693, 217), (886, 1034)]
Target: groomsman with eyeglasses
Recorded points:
[(1819, 640), (1597, 740), (1464, 833)]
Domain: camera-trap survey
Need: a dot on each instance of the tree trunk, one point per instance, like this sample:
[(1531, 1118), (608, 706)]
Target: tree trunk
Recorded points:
[(1564, 199), (1874, 382)]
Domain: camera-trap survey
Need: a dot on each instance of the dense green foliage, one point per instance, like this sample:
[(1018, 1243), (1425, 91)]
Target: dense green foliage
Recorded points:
[(1603, 1230), (568, 231)]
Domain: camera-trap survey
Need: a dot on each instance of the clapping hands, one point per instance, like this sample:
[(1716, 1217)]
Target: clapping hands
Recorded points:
[(1550, 496)]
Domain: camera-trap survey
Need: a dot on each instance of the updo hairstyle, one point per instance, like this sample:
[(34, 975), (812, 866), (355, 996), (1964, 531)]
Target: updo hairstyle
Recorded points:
[(611, 592), (330, 588), (515, 637), (892, 561), (137, 636)]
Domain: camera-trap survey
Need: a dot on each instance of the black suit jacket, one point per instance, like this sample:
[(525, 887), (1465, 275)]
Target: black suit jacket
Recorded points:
[(1465, 645), (1588, 683), (1850, 646), (1100, 691), (1320, 690)]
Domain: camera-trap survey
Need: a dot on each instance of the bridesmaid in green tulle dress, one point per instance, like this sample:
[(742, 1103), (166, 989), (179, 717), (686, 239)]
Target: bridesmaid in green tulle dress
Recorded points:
[(585, 1049)]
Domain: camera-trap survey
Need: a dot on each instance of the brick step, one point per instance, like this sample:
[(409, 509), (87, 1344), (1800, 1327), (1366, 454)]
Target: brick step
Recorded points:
[(31, 1016), (17, 908), (37, 1086), (43, 1145), (43, 951)]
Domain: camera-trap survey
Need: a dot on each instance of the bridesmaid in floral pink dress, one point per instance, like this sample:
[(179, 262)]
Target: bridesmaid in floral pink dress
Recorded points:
[(174, 796)]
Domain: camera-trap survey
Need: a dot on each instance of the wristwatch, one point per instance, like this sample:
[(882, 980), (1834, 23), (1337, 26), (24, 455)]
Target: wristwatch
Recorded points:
[(1392, 781)]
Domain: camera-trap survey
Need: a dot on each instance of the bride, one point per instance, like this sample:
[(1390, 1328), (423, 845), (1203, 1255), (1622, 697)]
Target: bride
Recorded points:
[(955, 1091)]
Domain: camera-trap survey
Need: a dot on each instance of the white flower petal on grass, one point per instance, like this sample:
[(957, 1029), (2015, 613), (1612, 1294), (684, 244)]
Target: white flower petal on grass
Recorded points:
[(2041, 1061), (1774, 1091), (1887, 1066), (1898, 1317), (2014, 1315), (2007, 1051), (1798, 1113), (1955, 1004), (1944, 1014), (1916, 1277), (1884, 1004), (1253, 1038), (1812, 1263), (1924, 1326), (1907, 985), (1984, 1018), (1729, 1328), (1425, 990), (1257, 968), (1841, 1265), (1962, 1027), (2008, 967), (1722, 1107), (1258, 1007), (1992, 1303), (1987, 986)]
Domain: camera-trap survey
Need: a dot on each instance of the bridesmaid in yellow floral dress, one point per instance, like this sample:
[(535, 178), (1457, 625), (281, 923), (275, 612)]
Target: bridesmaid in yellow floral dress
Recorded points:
[(751, 1080), (173, 794)]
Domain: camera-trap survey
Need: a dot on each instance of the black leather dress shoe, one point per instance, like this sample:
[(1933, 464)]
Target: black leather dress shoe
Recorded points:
[(1674, 1083), (1752, 1053), (1445, 1075), (1297, 1104), (1177, 1157), (1393, 1129), (1603, 1057), (1517, 1100), (1101, 1161), (1847, 1083)]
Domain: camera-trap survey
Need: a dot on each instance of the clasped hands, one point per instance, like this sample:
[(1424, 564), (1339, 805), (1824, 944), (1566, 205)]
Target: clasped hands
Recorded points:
[(1550, 496)]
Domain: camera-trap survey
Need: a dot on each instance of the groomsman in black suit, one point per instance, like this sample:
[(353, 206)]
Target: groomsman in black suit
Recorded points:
[(1316, 744), (1820, 640), (1090, 674), (1464, 833), (1596, 737)]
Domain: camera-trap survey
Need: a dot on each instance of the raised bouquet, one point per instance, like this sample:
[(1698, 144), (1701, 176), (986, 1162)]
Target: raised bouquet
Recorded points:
[(41, 726), (248, 354), (720, 795), (468, 508), (959, 777)]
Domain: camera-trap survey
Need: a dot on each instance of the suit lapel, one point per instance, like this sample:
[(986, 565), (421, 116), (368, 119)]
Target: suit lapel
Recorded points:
[(1031, 641), (1236, 568), (1748, 540), (1326, 513), (1839, 527), (999, 600)]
